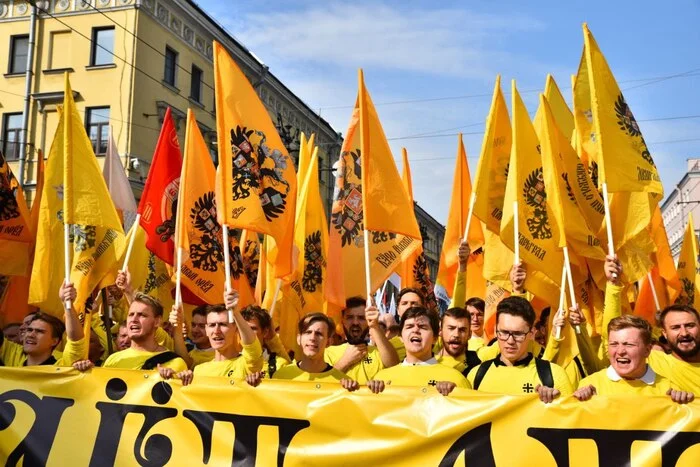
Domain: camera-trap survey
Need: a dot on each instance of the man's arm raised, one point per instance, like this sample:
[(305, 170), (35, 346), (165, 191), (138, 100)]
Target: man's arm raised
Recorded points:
[(386, 351)]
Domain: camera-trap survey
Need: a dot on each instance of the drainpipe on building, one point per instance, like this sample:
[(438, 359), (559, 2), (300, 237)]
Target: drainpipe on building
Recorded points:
[(28, 74)]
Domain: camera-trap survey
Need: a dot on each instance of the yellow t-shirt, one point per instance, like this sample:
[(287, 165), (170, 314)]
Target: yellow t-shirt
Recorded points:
[(134, 359), (519, 379), (397, 343), (421, 375), (362, 371), (249, 361), (294, 373), (475, 343), (278, 362), (684, 375), (608, 383), (12, 354), (201, 356)]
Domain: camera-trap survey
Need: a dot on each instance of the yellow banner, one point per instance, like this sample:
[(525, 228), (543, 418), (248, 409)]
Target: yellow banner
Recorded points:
[(124, 417)]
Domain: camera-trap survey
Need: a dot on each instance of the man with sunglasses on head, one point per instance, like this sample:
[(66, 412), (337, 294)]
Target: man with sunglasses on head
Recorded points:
[(515, 370)]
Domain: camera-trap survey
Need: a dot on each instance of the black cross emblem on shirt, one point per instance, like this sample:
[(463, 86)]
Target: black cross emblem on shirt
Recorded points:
[(528, 387), (367, 359), (432, 382)]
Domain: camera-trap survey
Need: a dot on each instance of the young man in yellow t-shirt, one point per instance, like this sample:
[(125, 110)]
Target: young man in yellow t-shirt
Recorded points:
[(224, 339), (42, 333), (629, 345), (144, 353), (455, 336), (202, 351), (356, 358), (419, 331), (681, 327), (274, 354), (515, 370), (408, 297)]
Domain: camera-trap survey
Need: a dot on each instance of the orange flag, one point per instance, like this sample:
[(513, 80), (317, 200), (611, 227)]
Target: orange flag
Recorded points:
[(414, 270), (454, 233), (256, 175), (16, 235), (346, 261)]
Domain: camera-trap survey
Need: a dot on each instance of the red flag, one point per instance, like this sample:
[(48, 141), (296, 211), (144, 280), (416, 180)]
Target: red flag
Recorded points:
[(159, 199)]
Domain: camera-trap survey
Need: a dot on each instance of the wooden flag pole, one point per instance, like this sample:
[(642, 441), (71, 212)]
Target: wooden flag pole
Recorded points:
[(562, 301), (227, 268), (608, 225), (131, 242), (67, 259), (472, 200), (368, 281), (516, 236), (178, 277), (570, 277), (653, 291), (278, 286)]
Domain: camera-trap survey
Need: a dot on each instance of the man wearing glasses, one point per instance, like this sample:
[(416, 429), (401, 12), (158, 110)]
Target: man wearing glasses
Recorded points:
[(515, 370)]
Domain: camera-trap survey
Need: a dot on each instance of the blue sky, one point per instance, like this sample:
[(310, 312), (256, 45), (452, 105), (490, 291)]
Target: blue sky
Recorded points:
[(451, 51)]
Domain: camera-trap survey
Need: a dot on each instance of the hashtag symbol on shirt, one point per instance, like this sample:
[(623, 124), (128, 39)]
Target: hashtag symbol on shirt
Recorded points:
[(527, 387)]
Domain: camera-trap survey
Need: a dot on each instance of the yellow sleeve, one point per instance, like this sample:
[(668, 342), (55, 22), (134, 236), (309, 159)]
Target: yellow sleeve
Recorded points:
[(459, 294), (588, 352), (98, 327), (275, 346), (612, 308), (252, 355), (11, 353), (330, 354), (552, 348), (73, 352), (164, 339), (561, 381)]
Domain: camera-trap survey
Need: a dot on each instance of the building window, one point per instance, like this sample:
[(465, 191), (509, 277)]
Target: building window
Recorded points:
[(11, 127), (196, 84), (97, 126), (170, 66), (19, 48), (102, 46)]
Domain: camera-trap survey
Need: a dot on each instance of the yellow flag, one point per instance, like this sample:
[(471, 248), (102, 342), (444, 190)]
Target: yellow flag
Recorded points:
[(625, 162), (454, 233), (311, 240), (149, 274), (526, 187), (688, 267), (492, 171), (256, 175), (563, 116), (16, 235), (385, 204), (96, 235), (306, 147), (414, 270), (346, 260), (560, 169)]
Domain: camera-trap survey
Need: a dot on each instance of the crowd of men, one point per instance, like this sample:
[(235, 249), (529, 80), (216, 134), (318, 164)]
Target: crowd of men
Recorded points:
[(417, 347)]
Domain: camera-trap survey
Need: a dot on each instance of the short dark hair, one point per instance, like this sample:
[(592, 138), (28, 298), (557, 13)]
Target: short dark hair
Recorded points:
[(218, 308), (417, 312), (631, 321), (354, 302), (477, 303), (406, 290), (255, 312), (681, 308), (201, 310), (544, 316), (306, 322), (516, 306), (56, 325), (456, 312), (152, 302)]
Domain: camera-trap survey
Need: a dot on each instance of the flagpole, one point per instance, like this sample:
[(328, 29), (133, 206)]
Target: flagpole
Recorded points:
[(130, 247), (562, 304), (516, 246), (67, 259), (472, 200), (178, 277), (572, 292), (653, 291), (278, 286), (368, 281), (107, 318), (608, 225), (227, 267)]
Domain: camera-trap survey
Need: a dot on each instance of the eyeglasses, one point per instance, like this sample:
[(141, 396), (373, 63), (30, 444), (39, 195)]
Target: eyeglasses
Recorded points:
[(518, 336)]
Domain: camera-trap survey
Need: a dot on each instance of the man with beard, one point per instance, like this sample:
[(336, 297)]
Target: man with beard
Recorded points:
[(455, 332), (419, 331), (681, 328), (356, 358), (629, 345), (202, 351)]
